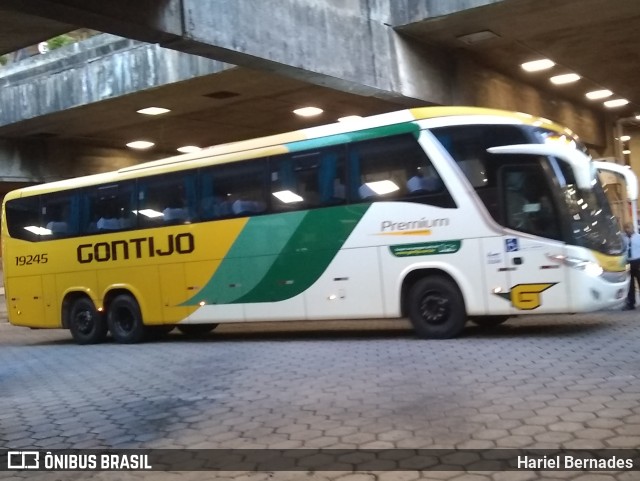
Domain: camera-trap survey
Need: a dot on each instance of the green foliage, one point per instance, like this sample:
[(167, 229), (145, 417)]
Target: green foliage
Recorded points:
[(60, 41), (3, 60)]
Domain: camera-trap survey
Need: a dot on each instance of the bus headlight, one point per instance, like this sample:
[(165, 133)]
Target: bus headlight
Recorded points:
[(590, 268)]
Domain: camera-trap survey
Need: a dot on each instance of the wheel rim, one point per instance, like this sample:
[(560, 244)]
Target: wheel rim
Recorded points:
[(124, 320), (84, 321), (435, 308)]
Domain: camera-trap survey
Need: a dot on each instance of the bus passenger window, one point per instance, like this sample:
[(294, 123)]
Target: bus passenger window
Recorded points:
[(23, 218), (166, 199), (306, 180), (60, 214), (232, 190), (395, 168), (111, 208)]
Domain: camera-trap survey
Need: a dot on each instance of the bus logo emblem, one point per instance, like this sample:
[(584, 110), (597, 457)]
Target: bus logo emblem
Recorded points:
[(526, 297)]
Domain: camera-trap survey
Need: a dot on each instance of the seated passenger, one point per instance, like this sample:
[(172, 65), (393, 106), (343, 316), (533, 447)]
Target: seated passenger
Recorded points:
[(108, 223), (419, 184), (175, 214), (240, 207), (57, 227)]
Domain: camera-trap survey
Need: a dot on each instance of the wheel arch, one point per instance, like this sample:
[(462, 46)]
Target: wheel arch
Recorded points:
[(68, 299), (114, 291), (415, 275)]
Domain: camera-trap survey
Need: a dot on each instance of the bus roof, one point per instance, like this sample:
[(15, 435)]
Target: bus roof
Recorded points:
[(278, 144)]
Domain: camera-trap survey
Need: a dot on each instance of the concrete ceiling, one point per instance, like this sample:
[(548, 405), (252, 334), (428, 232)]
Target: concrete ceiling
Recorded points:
[(596, 38)]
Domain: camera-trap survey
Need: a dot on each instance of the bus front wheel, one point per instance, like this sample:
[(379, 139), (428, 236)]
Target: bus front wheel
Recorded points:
[(125, 320), (436, 308), (86, 324)]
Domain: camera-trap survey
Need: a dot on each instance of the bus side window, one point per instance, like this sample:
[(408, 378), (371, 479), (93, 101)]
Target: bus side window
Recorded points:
[(23, 218), (307, 180), (111, 207), (232, 190), (394, 168), (166, 199), (57, 214)]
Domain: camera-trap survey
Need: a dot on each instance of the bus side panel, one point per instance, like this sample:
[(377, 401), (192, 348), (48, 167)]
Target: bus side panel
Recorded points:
[(51, 301), (25, 302), (173, 291), (79, 281), (349, 288)]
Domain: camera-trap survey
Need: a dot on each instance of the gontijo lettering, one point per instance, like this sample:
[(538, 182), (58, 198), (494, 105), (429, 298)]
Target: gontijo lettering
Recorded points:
[(136, 248)]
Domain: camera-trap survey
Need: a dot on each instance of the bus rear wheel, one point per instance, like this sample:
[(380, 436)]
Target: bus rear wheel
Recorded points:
[(86, 324), (196, 329), (436, 308), (125, 320)]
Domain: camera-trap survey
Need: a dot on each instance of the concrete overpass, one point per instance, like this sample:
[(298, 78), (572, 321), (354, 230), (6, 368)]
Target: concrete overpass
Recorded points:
[(71, 111)]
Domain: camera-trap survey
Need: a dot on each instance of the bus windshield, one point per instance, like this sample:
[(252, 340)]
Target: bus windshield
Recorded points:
[(534, 194), (592, 224)]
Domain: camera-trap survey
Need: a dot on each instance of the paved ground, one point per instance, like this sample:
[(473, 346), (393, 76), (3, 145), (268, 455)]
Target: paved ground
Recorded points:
[(539, 382)]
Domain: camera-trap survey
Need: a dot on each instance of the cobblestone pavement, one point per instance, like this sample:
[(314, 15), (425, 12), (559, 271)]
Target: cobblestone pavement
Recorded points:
[(536, 382)]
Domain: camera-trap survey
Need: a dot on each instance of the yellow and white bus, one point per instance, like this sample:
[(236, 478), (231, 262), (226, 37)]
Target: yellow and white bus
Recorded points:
[(438, 214)]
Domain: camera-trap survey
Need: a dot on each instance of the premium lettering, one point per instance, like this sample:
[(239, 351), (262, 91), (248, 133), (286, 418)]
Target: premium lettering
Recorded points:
[(136, 248), (390, 226)]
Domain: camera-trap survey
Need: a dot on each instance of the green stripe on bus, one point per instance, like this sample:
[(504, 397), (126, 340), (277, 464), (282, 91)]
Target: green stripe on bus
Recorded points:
[(359, 135), (249, 258), (277, 257), (307, 254)]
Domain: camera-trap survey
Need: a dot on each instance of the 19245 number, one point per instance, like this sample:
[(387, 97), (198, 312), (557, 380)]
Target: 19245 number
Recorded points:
[(31, 259)]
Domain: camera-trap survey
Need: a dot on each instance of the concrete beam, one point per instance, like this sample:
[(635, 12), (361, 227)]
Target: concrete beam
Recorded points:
[(146, 20), (349, 45), (94, 70), (344, 45)]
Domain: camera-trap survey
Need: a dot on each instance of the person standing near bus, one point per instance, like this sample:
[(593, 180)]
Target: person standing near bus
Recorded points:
[(632, 246)]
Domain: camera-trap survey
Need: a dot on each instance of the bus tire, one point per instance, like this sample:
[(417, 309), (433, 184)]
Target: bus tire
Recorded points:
[(125, 320), (196, 329), (489, 321), (436, 308), (86, 324)]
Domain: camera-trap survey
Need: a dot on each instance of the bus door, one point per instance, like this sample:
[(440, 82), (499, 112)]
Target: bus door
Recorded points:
[(497, 278), (538, 281)]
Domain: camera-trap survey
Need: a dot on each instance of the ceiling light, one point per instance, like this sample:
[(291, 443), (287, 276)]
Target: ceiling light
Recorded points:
[(626, 152), (537, 65), (616, 103), (153, 111), (308, 111), (598, 94), (382, 187), (637, 117), (287, 196), (625, 138), (350, 118), (189, 149), (140, 144), (565, 79), (150, 213)]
